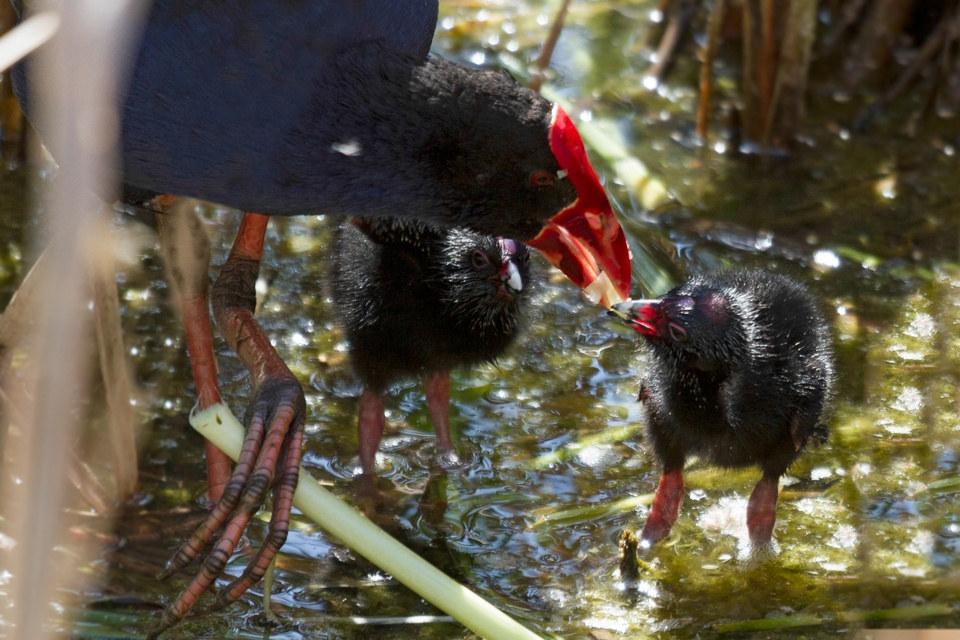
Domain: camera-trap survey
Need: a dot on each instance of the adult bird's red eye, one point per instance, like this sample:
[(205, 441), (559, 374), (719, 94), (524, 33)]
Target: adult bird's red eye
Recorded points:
[(541, 178), (479, 259)]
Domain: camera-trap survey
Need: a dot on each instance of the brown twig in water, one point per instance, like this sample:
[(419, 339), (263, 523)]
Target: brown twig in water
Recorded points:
[(543, 62), (629, 567), (14, 321), (677, 25), (115, 370), (89, 485), (793, 67), (875, 40), (935, 43), (706, 69), (849, 16)]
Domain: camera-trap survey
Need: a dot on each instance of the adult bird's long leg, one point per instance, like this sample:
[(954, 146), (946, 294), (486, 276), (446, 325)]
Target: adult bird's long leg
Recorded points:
[(274, 428), (186, 252), (278, 407), (665, 508)]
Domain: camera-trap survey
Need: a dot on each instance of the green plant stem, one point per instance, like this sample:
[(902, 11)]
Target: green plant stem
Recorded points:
[(613, 434), (268, 589), (217, 424), (554, 516)]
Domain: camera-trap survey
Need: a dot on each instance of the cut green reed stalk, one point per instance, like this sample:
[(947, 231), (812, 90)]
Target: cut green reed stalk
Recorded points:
[(217, 424)]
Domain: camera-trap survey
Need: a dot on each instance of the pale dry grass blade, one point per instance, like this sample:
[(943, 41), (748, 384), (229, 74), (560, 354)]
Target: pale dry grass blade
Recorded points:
[(27, 37), (75, 83)]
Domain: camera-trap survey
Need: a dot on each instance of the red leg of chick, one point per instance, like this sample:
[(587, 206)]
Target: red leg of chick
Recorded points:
[(274, 434), (186, 251), (370, 422), (665, 508), (762, 510), (437, 388)]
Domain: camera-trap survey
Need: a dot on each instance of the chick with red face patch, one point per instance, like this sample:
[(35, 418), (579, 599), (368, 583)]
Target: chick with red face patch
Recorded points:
[(741, 373)]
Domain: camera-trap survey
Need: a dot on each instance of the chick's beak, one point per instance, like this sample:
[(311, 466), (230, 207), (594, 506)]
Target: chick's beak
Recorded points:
[(642, 315), (510, 276), (509, 273)]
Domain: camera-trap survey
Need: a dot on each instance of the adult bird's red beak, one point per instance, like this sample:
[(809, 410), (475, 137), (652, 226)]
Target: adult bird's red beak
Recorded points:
[(584, 240)]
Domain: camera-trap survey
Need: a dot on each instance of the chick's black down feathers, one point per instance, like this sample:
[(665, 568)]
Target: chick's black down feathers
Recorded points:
[(748, 379), (741, 371), (415, 298)]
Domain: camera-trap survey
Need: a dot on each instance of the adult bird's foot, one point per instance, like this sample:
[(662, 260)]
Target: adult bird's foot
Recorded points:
[(270, 458)]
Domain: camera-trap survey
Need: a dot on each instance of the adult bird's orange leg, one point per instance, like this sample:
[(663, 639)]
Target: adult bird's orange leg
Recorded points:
[(186, 252), (278, 408), (274, 435)]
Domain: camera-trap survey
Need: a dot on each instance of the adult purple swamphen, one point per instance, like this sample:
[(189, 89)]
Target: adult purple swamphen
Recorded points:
[(416, 300), (741, 372), (284, 107)]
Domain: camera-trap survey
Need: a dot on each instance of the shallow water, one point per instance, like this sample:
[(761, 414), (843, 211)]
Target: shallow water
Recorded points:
[(868, 531)]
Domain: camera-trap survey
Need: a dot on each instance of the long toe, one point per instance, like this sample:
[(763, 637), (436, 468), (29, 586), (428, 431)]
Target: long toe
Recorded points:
[(283, 492), (224, 508)]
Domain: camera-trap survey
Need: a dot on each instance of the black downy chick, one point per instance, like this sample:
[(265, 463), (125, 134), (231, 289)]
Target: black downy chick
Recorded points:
[(741, 373), (416, 300)]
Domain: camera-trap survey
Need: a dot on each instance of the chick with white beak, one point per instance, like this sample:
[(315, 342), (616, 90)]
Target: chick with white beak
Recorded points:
[(417, 301)]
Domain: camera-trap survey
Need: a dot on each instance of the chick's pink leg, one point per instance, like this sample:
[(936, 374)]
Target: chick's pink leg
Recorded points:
[(665, 508), (437, 388), (762, 510), (370, 423)]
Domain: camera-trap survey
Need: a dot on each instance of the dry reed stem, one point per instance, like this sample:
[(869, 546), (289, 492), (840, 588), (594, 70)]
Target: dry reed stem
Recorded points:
[(714, 25), (543, 62), (76, 106), (114, 368)]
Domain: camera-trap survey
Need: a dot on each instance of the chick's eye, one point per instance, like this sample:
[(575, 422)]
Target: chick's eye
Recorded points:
[(677, 332), (479, 259), (541, 178)]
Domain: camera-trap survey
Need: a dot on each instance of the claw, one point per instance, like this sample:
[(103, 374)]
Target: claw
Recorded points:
[(222, 511), (272, 447), (278, 445), (288, 463)]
